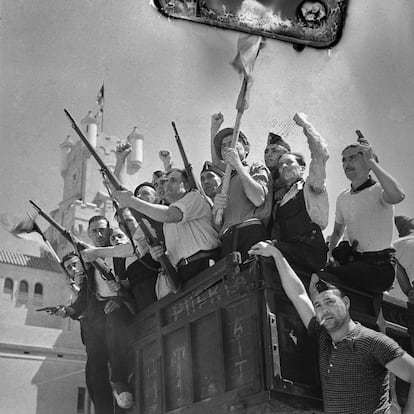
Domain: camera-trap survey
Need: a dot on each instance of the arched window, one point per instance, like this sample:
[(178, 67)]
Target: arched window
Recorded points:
[(23, 288), (38, 289), (8, 286), (38, 294), (23, 292)]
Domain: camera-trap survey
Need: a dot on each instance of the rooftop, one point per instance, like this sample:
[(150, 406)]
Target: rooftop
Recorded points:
[(24, 260)]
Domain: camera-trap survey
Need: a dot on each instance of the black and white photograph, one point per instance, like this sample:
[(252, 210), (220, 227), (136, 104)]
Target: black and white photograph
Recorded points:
[(207, 206)]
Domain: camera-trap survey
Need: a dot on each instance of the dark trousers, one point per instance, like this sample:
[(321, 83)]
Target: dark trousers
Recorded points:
[(306, 253), (191, 270), (142, 276), (363, 274), (242, 239), (105, 340)]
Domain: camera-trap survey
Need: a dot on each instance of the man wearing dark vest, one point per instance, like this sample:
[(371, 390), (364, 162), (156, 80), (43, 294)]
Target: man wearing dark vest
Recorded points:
[(300, 208)]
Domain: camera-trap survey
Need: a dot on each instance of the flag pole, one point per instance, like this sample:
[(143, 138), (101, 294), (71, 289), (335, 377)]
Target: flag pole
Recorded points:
[(227, 175), (102, 119), (248, 50)]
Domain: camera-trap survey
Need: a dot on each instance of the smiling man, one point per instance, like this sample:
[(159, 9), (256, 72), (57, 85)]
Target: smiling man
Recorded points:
[(365, 211), (301, 207), (353, 360)]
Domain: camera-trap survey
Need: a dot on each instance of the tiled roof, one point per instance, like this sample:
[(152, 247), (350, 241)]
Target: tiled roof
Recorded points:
[(24, 260)]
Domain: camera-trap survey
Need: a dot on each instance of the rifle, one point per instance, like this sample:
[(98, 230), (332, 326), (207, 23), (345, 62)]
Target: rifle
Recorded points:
[(51, 310), (98, 264), (166, 265), (188, 168)]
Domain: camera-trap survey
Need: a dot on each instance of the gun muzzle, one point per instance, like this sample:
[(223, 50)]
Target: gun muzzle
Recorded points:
[(35, 206)]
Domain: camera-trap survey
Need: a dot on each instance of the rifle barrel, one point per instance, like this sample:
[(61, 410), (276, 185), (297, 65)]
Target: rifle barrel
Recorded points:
[(53, 222), (111, 177)]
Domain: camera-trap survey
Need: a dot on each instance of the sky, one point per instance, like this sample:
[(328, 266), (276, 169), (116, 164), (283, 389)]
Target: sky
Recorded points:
[(56, 54)]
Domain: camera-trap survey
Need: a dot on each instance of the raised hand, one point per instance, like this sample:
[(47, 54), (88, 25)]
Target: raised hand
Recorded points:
[(122, 151), (165, 157), (301, 119), (217, 120)]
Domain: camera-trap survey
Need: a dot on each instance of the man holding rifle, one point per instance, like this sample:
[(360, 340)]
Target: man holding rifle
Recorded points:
[(138, 267), (104, 330), (190, 238)]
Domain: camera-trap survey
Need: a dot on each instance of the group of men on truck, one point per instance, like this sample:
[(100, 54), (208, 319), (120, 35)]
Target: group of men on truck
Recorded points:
[(270, 209)]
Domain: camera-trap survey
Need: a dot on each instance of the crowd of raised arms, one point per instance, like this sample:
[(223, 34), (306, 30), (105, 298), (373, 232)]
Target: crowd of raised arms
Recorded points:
[(270, 209)]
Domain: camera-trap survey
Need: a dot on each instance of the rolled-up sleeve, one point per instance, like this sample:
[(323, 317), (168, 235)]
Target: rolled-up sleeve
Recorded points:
[(316, 196)]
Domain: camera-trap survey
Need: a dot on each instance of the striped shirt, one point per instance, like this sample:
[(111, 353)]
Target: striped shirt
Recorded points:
[(353, 374)]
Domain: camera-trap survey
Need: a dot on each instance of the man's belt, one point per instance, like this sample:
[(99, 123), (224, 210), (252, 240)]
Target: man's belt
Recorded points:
[(381, 257), (202, 254), (246, 223)]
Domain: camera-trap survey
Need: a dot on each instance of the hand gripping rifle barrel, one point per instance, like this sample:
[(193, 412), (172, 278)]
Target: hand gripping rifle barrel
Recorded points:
[(168, 268), (98, 264)]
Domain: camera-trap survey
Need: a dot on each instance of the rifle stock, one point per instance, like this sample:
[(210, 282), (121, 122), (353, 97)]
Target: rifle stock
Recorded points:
[(166, 265), (98, 264), (165, 262)]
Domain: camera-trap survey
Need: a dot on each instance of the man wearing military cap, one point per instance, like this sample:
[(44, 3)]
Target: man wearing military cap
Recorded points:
[(353, 360)]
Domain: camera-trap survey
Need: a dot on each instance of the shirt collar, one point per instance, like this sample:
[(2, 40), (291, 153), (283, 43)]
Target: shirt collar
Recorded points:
[(348, 340), (370, 182)]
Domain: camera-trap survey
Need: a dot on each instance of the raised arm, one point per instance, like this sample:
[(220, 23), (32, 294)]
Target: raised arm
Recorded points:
[(216, 122), (319, 153), (393, 192), (167, 162), (122, 152), (158, 212), (291, 283), (122, 250)]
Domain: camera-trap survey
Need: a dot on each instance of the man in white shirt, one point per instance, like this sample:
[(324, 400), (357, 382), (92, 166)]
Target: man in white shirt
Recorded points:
[(365, 211), (104, 331), (190, 239)]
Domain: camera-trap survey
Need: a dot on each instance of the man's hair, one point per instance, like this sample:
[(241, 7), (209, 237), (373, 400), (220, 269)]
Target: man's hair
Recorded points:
[(68, 256), (356, 146), (97, 218), (144, 184), (183, 173), (300, 158), (157, 174)]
